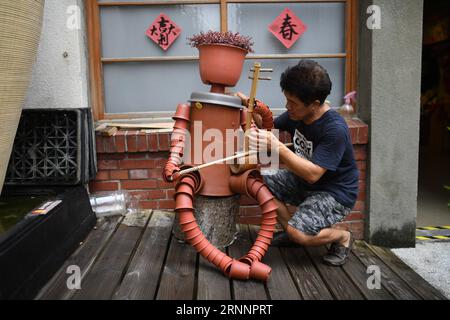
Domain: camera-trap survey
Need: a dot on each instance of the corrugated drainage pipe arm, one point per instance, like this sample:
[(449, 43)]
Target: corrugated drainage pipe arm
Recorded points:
[(177, 142)]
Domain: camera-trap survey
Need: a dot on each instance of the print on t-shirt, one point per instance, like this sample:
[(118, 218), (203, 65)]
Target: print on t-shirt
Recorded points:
[(303, 147)]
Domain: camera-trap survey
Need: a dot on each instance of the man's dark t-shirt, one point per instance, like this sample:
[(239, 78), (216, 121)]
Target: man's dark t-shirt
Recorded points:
[(326, 142)]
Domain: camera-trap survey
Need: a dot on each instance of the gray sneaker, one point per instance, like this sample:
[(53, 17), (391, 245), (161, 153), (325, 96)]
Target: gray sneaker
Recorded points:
[(281, 239), (337, 254)]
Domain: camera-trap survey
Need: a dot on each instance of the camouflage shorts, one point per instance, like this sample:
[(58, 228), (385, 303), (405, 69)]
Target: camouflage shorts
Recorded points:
[(315, 210)]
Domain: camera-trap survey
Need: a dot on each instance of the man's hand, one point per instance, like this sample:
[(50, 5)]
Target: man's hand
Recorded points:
[(263, 140), (256, 117)]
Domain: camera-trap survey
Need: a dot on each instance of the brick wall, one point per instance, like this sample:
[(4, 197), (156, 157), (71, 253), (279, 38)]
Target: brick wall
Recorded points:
[(133, 161)]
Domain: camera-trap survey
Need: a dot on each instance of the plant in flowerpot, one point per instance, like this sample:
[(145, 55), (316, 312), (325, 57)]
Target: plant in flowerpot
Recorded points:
[(221, 57)]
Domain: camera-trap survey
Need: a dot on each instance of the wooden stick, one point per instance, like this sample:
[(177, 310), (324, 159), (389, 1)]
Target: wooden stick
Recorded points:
[(237, 156), (251, 102)]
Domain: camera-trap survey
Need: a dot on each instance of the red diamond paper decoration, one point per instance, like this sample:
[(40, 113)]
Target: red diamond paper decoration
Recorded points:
[(163, 31), (287, 27)]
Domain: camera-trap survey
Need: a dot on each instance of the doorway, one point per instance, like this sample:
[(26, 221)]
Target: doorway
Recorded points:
[(434, 155)]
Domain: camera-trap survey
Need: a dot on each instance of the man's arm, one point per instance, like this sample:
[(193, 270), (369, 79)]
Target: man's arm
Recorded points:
[(303, 168)]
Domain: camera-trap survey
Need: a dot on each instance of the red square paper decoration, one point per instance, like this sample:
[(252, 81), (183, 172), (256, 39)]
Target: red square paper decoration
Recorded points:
[(287, 27), (163, 31)]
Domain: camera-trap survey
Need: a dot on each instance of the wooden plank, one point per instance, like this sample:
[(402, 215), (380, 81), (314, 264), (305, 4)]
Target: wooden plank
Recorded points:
[(83, 257), (280, 274), (156, 125), (107, 272), (336, 279), (306, 277), (248, 57), (109, 131), (212, 283), (251, 289), (415, 281), (178, 279), (357, 272), (389, 280), (95, 66), (141, 279)]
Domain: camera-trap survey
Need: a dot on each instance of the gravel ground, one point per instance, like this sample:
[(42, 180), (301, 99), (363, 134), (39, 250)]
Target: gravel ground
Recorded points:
[(432, 261)]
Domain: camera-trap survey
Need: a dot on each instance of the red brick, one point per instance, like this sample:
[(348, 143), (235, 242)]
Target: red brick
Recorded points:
[(359, 206), (140, 195), (152, 140), (99, 144), (142, 142), (110, 145), (362, 185), (360, 152), (357, 228), (362, 175), (138, 155), (362, 165), (250, 211), (118, 174), (107, 164), (361, 195), (170, 193), (156, 194), (139, 174), (132, 141), (102, 175), (256, 220), (138, 184), (247, 201), (354, 135), (164, 185), (341, 226), (166, 204), (110, 156), (163, 141), (120, 138), (155, 173), (159, 162), (354, 216), (103, 186), (136, 164), (363, 135), (148, 204)]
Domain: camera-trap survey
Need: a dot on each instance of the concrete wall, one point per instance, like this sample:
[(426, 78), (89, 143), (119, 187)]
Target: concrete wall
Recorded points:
[(58, 81), (389, 97)]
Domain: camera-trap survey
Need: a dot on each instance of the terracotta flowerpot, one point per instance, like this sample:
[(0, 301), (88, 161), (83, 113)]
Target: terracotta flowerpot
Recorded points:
[(269, 206), (20, 30), (260, 271), (221, 64), (266, 234), (183, 112), (189, 226)]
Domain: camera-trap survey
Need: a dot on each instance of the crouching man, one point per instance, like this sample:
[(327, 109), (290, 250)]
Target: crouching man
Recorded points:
[(322, 176)]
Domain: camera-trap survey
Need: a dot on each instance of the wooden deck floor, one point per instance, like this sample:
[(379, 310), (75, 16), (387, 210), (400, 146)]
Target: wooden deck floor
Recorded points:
[(137, 258)]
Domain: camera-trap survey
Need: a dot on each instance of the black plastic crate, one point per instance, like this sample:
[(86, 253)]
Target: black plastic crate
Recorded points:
[(53, 147)]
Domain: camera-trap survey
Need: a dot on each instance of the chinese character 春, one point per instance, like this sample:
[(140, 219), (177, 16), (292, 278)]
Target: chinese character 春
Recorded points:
[(287, 28)]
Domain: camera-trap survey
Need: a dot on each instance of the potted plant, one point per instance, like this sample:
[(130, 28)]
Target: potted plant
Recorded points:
[(221, 56)]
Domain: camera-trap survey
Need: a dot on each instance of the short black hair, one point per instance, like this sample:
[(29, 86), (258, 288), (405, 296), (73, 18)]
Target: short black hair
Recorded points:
[(308, 81)]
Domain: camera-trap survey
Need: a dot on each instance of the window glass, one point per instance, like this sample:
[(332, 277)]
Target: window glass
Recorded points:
[(325, 22), (124, 27)]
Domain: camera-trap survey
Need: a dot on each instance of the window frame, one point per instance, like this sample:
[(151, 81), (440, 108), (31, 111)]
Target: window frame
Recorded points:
[(96, 61)]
